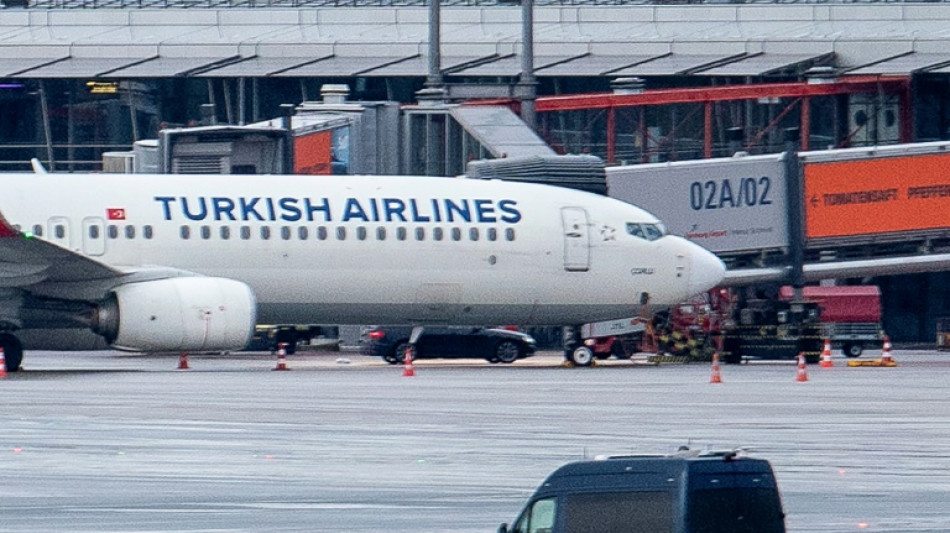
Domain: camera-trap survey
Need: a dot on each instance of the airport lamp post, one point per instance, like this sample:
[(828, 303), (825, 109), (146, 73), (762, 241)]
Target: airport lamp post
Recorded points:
[(527, 83)]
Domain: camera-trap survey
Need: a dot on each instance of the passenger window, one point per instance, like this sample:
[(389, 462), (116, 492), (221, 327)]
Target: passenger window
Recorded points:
[(303, 233), (492, 234), (380, 233), (60, 231), (93, 232), (225, 233), (437, 234), (401, 233), (420, 234), (148, 232), (322, 233), (265, 232), (113, 231), (473, 234), (285, 233), (456, 234), (510, 234), (245, 232), (340, 233), (206, 232), (185, 232), (130, 232), (361, 233), (38, 230)]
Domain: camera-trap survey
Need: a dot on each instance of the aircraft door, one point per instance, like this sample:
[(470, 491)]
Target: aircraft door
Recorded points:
[(58, 231), (93, 236), (576, 239)]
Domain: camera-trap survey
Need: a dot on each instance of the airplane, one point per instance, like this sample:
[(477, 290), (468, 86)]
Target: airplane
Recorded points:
[(172, 262)]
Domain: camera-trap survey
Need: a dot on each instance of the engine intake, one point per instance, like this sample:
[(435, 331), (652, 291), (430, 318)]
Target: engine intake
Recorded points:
[(194, 313)]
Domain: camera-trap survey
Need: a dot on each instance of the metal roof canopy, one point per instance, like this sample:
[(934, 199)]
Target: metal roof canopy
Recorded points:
[(343, 66), (80, 67), (677, 64), (10, 67), (418, 66), (170, 67), (858, 34), (500, 131), (766, 63), (905, 64), (257, 66), (511, 65)]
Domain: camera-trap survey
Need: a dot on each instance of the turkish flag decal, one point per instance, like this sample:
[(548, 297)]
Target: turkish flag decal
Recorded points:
[(115, 213)]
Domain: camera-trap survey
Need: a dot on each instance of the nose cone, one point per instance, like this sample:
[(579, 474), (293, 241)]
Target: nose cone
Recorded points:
[(705, 270)]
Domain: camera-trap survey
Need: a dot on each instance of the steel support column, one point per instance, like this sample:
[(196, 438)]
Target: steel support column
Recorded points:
[(611, 135)]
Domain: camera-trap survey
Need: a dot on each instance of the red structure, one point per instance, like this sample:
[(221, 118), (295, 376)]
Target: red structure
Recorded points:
[(609, 124)]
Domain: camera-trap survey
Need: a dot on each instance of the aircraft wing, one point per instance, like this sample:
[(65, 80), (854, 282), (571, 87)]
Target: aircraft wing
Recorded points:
[(890, 266), (25, 260)]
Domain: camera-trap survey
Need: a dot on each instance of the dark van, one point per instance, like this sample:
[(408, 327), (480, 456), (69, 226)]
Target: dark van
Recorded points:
[(706, 493)]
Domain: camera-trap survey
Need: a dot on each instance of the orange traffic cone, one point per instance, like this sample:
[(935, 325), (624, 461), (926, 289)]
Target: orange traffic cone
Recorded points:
[(886, 354), (183, 361), (826, 361), (281, 357), (3, 364), (716, 377), (407, 370), (802, 369)]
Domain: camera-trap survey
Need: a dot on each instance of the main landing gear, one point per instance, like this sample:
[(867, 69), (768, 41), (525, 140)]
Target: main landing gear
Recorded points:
[(12, 351)]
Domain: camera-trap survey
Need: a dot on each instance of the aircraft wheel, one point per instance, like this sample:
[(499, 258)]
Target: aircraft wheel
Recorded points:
[(12, 351), (582, 356), (289, 338), (507, 352)]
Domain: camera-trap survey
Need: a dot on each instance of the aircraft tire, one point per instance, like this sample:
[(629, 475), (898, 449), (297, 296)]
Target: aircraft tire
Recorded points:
[(12, 351)]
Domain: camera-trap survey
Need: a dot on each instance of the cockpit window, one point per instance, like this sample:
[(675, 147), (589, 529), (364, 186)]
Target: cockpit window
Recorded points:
[(650, 232)]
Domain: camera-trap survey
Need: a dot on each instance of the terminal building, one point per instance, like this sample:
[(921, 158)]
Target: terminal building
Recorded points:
[(419, 90)]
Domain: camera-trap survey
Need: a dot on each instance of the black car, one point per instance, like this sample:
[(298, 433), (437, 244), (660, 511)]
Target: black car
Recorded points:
[(495, 345)]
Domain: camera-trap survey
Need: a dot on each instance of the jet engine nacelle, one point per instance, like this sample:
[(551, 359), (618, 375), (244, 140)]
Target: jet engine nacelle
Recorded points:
[(187, 314)]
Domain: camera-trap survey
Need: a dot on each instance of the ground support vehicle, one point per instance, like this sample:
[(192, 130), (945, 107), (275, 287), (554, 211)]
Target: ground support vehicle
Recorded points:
[(773, 329), (716, 492), (850, 315), (271, 336)]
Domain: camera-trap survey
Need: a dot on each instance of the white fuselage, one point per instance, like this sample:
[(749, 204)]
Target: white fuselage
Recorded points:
[(358, 249)]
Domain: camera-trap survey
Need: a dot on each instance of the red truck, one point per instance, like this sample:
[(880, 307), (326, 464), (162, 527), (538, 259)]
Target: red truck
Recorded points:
[(850, 315)]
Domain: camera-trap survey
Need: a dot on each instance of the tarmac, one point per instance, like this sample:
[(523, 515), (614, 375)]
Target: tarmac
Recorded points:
[(111, 442)]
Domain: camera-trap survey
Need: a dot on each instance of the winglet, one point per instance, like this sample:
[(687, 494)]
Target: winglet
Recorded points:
[(38, 167)]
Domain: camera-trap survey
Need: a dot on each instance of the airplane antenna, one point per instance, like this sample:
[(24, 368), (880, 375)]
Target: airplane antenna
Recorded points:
[(38, 167)]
